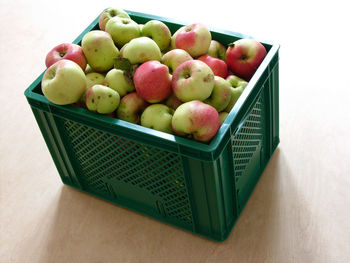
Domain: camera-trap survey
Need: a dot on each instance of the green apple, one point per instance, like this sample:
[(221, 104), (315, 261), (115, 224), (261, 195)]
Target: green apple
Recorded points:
[(92, 78), (102, 99), (122, 30), (108, 13), (237, 87), (141, 26), (175, 58), (88, 69), (217, 50), (223, 115), (159, 32), (140, 50), (117, 80), (193, 80), (221, 94), (158, 117), (99, 50), (63, 82)]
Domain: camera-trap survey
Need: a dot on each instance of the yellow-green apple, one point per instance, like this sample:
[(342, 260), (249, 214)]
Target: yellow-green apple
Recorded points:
[(92, 78), (141, 26), (237, 87), (88, 69), (174, 58), (102, 99), (140, 50), (158, 117), (108, 13), (63, 82), (221, 94), (159, 32), (223, 115), (131, 107), (196, 119), (217, 65), (152, 81), (194, 38), (173, 102), (117, 80), (66, 51), (244, 56), (193, 80), (99, 50), (217, 50), (122, 30)]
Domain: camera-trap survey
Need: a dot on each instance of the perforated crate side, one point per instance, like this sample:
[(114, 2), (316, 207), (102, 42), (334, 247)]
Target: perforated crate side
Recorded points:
[(138, 176)]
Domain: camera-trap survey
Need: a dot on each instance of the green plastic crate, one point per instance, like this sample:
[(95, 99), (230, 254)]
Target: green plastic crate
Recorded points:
[(198, 187)]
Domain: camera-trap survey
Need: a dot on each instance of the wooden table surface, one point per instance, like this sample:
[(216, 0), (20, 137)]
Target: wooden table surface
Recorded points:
[(300, 209)]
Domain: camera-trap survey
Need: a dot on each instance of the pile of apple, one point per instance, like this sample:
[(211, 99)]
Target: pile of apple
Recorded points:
[(183, 83)]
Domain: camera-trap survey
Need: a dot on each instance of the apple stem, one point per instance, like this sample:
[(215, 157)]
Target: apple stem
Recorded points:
[(231, 44)]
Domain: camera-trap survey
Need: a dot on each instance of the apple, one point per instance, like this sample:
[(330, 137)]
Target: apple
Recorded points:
[(66, 51), (237, 87), (88, 69), (173, 102), (140, 50), (221, 94), (92, 78), (152, 81), (122, 30), (197, 120), (218, 66), (244, 56), (223, 115), (131, 107), (108, 13), (193, 80), (102, 99), (217, 50), (116, 79), (159, 32), (174, 58), (158, 117), (194, 38), (63, 82), (99, 50)]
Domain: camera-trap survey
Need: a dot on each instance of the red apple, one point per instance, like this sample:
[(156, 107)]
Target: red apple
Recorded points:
[(218, 66), (68, 51), (194, 38), (173, 102), (244, 56), (152, 81), (131, 107), (197, 120)]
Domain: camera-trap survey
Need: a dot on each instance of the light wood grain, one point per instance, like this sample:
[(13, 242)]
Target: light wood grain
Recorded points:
[(299, 211)]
